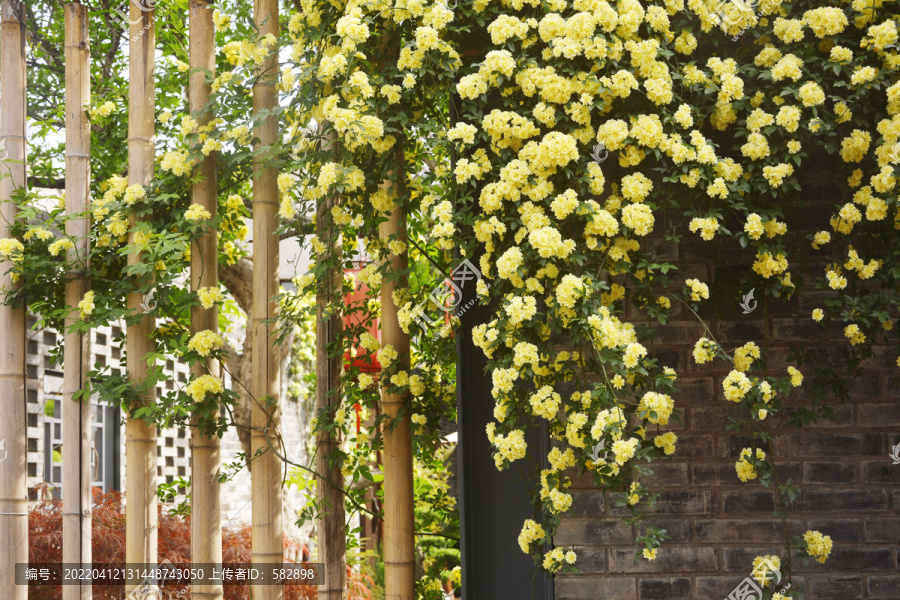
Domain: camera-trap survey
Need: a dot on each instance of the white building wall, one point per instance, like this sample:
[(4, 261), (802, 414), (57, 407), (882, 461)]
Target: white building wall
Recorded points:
[(44, 382)]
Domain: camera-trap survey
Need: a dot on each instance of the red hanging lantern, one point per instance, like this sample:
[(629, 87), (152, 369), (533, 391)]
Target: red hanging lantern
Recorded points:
[(357, 356)]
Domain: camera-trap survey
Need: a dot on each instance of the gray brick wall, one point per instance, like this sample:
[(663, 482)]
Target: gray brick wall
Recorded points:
[(849, 488)]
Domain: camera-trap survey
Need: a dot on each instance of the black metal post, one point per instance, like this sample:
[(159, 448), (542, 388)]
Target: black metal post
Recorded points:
[(492, 504)]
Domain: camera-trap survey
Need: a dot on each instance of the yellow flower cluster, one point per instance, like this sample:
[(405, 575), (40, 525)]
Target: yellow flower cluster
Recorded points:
[(86, 304), (745, 470), (707, 227), (569, 290), (736, 385), (176, 162), (769, 561), (205, 341), (704, 351), (624, 450), (666, 441), (510, 447), (556, 558), (104, 110), (767, 265), (639, 218), (11, 249), (531, 532), (562, 88), (633, 353), (817, 545), (853, 333), (796, 376), (609, 422), (387, 355), (196, 213), (209, 296), (775, 174), (201, 386), (745, 355), (699, 290), (660, 405), (60, 245), (559, 501)]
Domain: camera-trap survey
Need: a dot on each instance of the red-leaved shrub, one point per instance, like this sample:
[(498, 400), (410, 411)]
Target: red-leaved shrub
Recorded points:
[(108, 547)]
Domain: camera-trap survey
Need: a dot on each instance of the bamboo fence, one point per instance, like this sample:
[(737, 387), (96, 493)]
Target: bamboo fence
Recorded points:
[(140, 445), (13, 425), (76, 412), (266, 494), (399, 518), (331, 531), (141, 437), (206, 508)]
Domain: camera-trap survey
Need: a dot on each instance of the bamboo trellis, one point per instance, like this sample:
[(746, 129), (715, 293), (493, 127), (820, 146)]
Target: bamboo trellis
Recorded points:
[(206, 508), (399, 521), (330, 527), (13, 425), (76, 412), (140, 446), (141, 437), (267, 537)]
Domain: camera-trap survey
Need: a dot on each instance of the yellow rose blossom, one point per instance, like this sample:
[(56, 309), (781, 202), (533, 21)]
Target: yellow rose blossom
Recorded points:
[(12, 249), (60, 245), (86, 304), (209, 296), (200, 387), (745, 470), (817, 545), (206, 341)]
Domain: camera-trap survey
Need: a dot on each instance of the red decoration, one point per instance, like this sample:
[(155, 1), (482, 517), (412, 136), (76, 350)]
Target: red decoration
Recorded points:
[(366, 362)]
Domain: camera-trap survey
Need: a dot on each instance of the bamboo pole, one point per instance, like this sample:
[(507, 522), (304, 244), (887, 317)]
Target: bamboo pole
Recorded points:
[(399, 518), (267, 537), (13, 425), (140, 437), (331, 531), (206, 507), (76, 413)]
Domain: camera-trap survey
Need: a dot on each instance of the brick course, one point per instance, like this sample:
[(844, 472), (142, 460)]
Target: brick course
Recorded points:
[(848, 487)]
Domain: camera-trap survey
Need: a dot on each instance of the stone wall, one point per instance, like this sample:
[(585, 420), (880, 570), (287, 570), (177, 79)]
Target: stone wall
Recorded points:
[(849, 488)]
